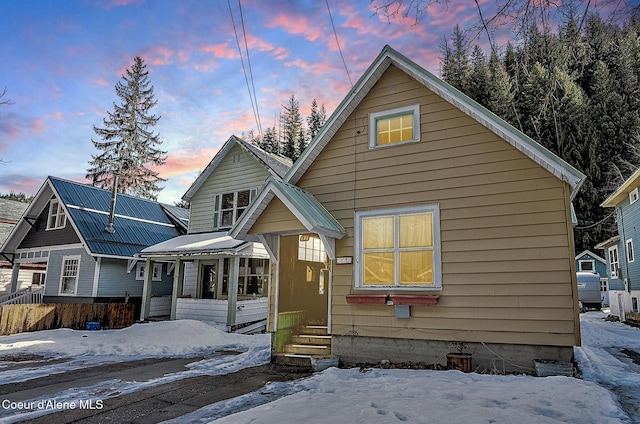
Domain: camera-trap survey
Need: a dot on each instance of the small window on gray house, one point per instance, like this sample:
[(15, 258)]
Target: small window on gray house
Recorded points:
[(587, 266), (57, 217), (228, 207)]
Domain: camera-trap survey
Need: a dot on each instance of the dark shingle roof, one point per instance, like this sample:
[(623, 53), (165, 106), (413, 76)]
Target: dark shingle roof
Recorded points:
[(10, 213)]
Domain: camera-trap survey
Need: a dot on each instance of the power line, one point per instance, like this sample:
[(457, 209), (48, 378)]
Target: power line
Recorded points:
[(253, 106), (338, 42), (246, 47)]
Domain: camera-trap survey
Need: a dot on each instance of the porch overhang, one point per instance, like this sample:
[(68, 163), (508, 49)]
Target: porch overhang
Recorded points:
[(609, 242), (198, 245), (309, 212)]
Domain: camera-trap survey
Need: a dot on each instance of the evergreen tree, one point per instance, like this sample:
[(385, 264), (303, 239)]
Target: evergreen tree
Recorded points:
[(128, 143), (455, 60), (291, 126), (500, 91), (316, 119), (479, 78)]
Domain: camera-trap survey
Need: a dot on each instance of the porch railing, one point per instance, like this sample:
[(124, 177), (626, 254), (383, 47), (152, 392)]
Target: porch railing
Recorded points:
[(24, 296)]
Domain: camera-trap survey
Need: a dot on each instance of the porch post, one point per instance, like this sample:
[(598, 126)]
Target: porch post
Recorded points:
[(234, 264), (146, 290), (178, 277), (14, 277)]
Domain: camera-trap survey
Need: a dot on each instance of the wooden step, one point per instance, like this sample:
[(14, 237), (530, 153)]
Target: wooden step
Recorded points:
[(294, 360), (314, 329), (312, 339), (308, 349)]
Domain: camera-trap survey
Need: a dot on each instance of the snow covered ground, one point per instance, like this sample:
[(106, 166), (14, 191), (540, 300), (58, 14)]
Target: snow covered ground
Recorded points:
[(350, 395)]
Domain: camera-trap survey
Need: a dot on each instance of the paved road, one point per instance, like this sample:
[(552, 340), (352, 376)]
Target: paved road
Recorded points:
[(150, 405)]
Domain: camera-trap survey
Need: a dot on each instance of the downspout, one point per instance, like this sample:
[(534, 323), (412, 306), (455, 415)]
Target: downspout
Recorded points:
[(112, 209)]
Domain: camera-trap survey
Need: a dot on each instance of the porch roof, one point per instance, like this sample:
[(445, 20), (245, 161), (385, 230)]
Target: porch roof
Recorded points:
[(301, 203), (196, 244)]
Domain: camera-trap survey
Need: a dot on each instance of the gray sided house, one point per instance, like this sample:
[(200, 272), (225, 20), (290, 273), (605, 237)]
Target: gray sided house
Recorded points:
[(64, 229), (219, 279), (28, 276), (623, 270)]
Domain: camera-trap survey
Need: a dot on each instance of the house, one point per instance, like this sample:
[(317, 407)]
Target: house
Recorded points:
[(220, 279), (31, 275), (417, 222), (65, 229), (622, 269), (588, 261)]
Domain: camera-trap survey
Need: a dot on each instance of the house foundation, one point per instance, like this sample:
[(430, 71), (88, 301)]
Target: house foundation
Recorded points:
[(485, 357)]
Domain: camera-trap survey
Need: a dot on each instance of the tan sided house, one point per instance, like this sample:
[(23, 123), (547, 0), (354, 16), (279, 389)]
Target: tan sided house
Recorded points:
[(416, 222)]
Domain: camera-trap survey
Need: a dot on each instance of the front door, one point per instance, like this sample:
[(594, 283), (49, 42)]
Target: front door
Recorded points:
[(209, 280), (303, 279)]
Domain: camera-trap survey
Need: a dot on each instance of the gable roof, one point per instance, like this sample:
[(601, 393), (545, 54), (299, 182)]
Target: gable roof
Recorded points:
[(488, 119), (591, 254), (138, 222), (276, 165), (10, 213), (623, 191), (301, 203)]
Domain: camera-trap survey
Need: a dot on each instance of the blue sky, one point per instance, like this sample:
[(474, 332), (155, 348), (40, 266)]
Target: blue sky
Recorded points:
[(62, 59)]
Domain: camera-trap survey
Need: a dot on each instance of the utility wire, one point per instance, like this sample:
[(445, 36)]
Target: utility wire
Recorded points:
[(253, 106), (253, 87), (338, 42)]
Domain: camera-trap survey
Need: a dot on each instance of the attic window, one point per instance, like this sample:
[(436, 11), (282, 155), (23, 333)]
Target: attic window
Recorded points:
[(401, 125), (57, 217), (228, 207), (633, 196)]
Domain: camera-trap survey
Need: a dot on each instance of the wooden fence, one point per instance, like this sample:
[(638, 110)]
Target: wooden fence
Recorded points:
[(22, 318)]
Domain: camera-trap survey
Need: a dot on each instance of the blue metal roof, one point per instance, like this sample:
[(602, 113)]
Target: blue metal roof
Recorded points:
[(139, 223)]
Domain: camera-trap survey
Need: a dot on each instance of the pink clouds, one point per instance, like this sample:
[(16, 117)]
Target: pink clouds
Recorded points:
[(298, 24), (220, 50), (158, 55), (185, 162)]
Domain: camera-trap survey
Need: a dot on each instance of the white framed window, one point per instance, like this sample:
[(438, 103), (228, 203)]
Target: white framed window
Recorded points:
[(398, 248), (390, 127), (311, 249), (586, 265), (629, 245), (614, 265), (253, 277), (604, 285), (69, 275), (633, 196), (228, 207), (157, 271), (57, 217)]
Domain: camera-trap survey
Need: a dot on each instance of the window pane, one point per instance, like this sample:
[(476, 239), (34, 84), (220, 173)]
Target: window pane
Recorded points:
[(416, 230), (378, 268), (243, 199), (227, 201), (377, 233), (227, 219), (416, 267), (395, 129)]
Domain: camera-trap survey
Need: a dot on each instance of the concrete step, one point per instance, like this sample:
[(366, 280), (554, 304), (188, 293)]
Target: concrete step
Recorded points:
[(308, 349), (312, 339), (303, 361)]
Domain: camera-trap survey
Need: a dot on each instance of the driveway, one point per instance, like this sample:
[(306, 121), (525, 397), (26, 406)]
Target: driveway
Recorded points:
[(152, 404)]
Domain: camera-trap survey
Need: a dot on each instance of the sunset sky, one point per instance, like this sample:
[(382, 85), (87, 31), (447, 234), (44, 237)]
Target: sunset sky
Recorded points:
[(60, 61)]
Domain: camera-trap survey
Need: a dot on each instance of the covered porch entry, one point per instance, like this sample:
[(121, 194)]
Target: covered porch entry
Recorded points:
[(302, 298)]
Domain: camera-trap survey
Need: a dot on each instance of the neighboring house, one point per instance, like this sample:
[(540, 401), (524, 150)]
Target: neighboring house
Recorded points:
[(220, 279), (415, 222), (588, 261), (622, 268), (10, 213), (64, 229)]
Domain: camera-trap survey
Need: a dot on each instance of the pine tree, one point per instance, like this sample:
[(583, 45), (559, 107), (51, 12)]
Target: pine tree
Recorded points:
[(291, 125), (455, 60), (316, 119), (128, 143)]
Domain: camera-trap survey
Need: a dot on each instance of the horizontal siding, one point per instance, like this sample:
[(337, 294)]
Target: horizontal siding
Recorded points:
[(237, 171), (277, 217), (506, 245), (54, 272)]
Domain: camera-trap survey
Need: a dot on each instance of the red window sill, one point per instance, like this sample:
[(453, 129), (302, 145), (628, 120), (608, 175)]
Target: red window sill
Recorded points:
[(370, 299)]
